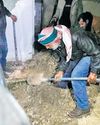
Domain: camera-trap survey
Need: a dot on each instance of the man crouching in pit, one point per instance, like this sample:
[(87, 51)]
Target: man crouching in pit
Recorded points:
[(79, 57)]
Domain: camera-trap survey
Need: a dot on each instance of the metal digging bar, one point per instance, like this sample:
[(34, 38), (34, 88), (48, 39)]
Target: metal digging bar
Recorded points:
[(15, 44), (72, 79)]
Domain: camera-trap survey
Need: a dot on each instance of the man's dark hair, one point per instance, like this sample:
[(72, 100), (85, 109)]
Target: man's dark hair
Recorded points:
[(88, 18)]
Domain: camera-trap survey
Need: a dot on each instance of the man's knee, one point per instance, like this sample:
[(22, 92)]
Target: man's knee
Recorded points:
[(75, 73)]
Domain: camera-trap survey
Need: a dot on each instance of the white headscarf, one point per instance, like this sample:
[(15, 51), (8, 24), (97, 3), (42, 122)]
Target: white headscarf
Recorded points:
[(66, 37)]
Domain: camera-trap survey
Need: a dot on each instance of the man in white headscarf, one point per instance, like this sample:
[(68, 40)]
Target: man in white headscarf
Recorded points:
[(79, 57)]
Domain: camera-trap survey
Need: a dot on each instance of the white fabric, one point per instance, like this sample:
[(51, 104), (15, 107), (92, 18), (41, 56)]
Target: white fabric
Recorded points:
[(24, 31), (66, 37), (11, 113)]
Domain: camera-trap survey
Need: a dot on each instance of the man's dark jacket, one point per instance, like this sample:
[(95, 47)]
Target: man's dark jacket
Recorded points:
[(3, 12), (83, 44)]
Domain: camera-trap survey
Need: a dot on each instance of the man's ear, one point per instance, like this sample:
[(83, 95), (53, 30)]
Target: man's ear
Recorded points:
[(87, 21)]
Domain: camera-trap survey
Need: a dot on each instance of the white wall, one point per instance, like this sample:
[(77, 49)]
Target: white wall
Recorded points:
[(24, 10)]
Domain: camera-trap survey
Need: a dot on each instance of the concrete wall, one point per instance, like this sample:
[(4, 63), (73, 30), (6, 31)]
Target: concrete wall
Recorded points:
[(93, 6)]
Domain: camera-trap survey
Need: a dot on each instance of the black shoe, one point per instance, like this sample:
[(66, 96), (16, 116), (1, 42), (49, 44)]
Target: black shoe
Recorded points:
[(61, 85), (6, 75), (77, 113), (9, 70)]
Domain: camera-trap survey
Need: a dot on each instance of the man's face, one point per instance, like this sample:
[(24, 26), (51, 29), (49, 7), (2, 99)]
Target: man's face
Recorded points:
[(82, 23), (53, 45)]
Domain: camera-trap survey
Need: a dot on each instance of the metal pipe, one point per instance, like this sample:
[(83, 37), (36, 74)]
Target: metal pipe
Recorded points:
[(15, 44), (72, 79)]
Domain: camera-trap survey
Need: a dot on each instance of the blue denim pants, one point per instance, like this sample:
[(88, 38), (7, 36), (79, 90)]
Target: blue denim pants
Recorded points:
[(3, 49), (3, 55), (78, 69)]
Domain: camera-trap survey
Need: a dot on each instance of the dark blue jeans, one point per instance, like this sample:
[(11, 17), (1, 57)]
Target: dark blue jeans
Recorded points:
[(3, 42), (3, 55), (3, 49), (78, 69)]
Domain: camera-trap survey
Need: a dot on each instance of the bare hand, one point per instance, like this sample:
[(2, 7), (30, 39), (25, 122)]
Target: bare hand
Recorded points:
[(92, 78), (14, 18), (59, 75), (53, 21)]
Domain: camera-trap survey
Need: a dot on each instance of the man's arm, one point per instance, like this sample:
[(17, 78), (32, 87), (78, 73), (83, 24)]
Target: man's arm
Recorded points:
[(7, 12), (4, 9), (62, 64), (86, 44), (59, 10)]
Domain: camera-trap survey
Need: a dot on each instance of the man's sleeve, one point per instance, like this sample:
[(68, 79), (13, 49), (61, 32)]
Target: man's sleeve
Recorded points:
[(86, 44), (7, 12), (62, 64)]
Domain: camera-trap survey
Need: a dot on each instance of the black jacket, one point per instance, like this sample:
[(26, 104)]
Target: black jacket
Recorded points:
[(3, 12), (83, 44)]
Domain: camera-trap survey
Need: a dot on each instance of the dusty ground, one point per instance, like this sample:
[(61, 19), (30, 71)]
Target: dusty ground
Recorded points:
[(44, 103)]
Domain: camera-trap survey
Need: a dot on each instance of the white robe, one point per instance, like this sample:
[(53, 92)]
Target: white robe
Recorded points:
[(66, 37), (24, 10)]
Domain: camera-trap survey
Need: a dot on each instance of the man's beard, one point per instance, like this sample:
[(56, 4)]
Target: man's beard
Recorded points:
[(55, 47)]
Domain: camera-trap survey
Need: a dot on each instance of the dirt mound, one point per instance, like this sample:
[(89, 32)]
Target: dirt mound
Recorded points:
[(46, 104), (41, 67)]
